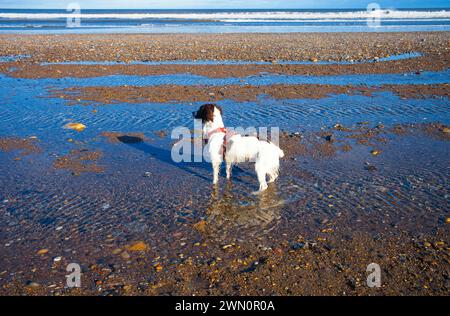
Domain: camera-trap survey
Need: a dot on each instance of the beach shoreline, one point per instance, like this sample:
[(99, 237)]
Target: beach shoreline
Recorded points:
[(258, 47)]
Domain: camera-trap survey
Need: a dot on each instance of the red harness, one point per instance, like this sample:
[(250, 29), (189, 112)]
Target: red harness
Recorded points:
[(227, 135)]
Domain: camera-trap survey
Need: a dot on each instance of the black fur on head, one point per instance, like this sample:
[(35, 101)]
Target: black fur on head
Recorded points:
[(206, 112)]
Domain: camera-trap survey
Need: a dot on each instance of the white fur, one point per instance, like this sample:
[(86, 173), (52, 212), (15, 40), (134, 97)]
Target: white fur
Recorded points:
[(266, 155)]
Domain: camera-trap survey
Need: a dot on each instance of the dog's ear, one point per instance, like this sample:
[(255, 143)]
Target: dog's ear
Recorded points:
[(206, 113)]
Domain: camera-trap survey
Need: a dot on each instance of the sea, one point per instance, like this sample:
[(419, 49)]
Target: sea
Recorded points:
[(222, 21)]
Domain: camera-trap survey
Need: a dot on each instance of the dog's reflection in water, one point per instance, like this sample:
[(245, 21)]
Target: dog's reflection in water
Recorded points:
[(228, 210)]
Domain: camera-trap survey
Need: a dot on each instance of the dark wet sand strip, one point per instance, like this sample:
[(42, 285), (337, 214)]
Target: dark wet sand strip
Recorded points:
[(175, 93), (25, 69)]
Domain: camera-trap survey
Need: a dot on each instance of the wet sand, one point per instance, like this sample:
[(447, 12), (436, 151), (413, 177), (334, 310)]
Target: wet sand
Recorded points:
[(364, 179), (176, 93), (28, 69)]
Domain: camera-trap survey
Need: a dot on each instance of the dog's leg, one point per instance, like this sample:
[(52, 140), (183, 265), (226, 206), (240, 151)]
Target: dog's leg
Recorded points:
[(272, 176), (216, 169), (229, 167), (262, 180)]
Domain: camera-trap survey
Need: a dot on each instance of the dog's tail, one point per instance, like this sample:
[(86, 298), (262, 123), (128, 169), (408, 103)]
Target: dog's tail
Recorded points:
[(280, 152)]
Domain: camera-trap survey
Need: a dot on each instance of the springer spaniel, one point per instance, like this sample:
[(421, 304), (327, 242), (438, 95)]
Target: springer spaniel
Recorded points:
[(235, 148)]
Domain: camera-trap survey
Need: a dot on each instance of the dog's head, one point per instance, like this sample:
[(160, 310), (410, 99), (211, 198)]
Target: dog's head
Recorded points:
[(206, 112)]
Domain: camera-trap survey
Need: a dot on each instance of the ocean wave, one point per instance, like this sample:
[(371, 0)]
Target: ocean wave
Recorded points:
[(241, 16), (327, 20)]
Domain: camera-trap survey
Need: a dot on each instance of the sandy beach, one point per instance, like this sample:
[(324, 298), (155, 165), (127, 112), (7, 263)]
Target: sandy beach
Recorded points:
[(365, 125)]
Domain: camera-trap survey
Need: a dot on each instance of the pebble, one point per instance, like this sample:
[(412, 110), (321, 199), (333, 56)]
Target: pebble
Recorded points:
[(298, 246), (116, 251), (79, 127), (33, 284), (371, 168), (125, 255), (138, 246), (375, 152), (158, 267), (42, 251), (57, 259)]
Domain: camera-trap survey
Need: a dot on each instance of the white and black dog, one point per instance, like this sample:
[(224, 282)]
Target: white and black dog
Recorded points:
[(235, 148)]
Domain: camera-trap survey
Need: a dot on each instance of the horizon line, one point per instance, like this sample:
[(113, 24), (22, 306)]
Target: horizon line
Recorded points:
[(345, 8)]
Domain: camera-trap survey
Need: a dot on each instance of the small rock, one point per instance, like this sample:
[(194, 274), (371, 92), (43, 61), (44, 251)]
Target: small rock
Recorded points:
[(33, 284), (375, 152), (79, 127), (200, 226), (158, 267), (371, 168), (42, 251), (298, 245), (352, 283), (116, 251), (138, 246), (57, 259)]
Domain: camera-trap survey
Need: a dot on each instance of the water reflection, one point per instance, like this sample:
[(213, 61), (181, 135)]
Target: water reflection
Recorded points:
[(232, 209)]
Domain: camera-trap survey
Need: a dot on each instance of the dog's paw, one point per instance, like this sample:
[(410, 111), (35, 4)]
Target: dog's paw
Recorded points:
[(259, 192)]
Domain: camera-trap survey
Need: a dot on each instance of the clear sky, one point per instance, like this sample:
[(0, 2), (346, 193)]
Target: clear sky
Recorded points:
[(221, 4)]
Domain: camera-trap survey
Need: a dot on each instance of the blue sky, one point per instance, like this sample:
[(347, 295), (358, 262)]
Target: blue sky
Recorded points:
[(214, 4)]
